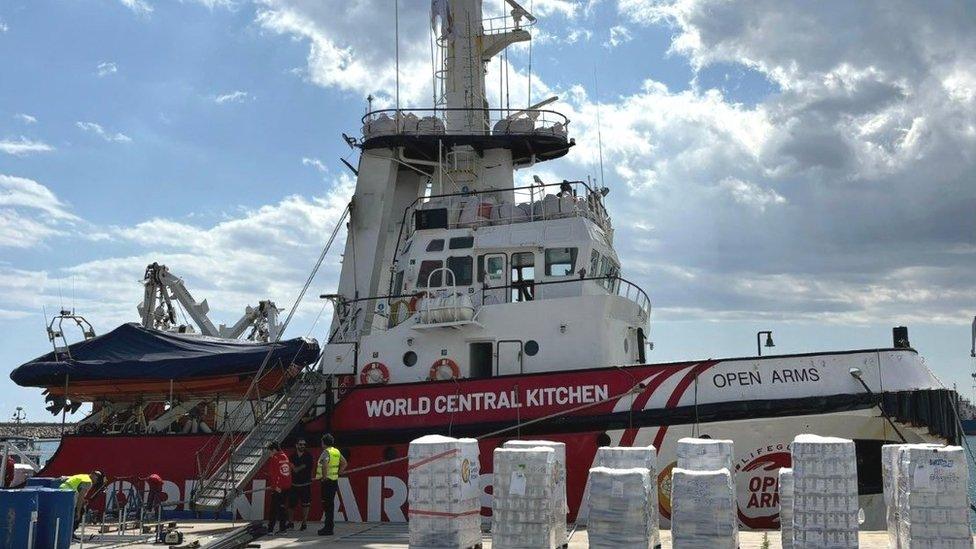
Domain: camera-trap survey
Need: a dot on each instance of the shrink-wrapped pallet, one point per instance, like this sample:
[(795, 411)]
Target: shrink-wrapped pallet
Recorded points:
[(523, 507), (561, 508), (890, 467), (825, 506), (444, 495), (628, 457), (933, 498), (786, 506), (704, 454), (623, 512), (703, 510)]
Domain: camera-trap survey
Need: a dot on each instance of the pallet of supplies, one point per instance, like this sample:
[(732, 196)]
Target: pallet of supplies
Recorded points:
[(786, 506), (444, 495), (825, 506), (704, 454), (623, 511), (933, 498), (561, 508), (628, 457), (525, 498), (703, 510)]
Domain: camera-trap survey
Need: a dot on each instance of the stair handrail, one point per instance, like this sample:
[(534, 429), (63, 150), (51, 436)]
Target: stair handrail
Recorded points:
[(229, 437)]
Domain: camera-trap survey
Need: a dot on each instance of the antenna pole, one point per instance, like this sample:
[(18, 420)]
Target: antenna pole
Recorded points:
[(599, 127), (396, 38)]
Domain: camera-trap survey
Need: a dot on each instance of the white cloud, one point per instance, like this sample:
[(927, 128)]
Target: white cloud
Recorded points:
[(30, 213), (106, 68), (141, 7), (237, 96), (618, 35), (3, 26), (23, 146), (98, 130), (25, 118), (750, 194), (315, 163)]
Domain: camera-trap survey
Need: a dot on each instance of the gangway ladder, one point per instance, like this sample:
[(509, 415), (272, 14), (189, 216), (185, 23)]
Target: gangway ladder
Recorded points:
[(220, 488)]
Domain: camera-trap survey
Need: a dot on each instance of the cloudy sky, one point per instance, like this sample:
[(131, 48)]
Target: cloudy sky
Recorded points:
[(805, 167)]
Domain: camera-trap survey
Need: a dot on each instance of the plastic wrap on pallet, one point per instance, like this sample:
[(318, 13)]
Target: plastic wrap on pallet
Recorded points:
[(444, 495), (703, 510), (890, 466), (628, 457), (704, 454), (524, 502), (561, 508), (933, 498), (825, 505), (786, 506), (623, 512)]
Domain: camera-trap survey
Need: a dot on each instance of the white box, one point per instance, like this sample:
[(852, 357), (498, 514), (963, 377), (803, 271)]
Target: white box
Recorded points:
[(561, 508), (621, 512), (703, 510), (786, 506), (444, 496), (704, 454), (825, 506), (525, 498), (933, 497)]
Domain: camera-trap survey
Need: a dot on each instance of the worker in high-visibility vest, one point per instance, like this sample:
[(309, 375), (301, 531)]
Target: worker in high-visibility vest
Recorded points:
[(85, 487), (331, 464)]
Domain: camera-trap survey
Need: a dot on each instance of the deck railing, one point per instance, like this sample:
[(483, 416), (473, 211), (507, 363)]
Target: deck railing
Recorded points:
[(460, 121)]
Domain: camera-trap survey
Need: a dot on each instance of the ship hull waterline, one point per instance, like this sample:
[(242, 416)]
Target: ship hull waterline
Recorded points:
[(585, 409)]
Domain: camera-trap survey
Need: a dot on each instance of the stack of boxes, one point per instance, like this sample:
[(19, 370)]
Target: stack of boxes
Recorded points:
[(705, 454), (525, 497), (786, 506), (444, 494), (629, 457), (561, 506), (825, 506), (623, 512), (932, 499), (703, 510)]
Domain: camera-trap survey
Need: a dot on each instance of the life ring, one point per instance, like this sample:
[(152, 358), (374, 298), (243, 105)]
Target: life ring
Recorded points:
[(412, 306), (438, 368), (374, 372)]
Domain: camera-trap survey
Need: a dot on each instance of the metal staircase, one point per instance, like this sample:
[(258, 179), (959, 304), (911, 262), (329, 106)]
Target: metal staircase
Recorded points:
[(226, 481)]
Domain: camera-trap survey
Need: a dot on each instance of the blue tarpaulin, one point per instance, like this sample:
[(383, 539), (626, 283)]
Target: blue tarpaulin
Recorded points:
[(133, 352)]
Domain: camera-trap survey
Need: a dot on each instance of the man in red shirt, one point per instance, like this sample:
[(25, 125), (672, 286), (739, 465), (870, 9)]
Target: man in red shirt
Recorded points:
[(154, 494), (8, 473), (279, 482)]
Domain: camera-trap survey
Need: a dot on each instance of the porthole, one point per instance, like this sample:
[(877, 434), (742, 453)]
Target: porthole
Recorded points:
[(389, 453), (409, 358), (603, 439), (531, 347)]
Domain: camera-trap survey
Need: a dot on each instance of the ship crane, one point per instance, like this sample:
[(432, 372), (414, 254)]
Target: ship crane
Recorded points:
[(158, 310)]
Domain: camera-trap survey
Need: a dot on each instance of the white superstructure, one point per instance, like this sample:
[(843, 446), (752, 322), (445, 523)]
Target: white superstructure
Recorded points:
[(450, 271)]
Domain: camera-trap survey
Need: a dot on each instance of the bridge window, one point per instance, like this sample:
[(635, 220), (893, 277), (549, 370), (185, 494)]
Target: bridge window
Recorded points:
[(523, 276), (426, 268), (461, 243), (594, 263), (560, 261), (435, 245), (462, 267)]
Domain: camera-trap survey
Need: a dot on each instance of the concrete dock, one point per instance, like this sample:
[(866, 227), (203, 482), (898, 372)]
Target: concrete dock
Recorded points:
[(392, 536)]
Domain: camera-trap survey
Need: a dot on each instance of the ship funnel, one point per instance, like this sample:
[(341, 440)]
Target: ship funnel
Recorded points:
[(899, 335)]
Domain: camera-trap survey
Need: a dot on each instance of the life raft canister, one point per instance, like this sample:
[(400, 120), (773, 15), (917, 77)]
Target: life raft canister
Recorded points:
[(374, 372), (444, 369)]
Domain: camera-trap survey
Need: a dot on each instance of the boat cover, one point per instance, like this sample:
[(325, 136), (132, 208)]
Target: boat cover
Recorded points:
[(133, 352)]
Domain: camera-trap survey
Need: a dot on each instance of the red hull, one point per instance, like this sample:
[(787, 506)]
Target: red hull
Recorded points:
[(230, 387)]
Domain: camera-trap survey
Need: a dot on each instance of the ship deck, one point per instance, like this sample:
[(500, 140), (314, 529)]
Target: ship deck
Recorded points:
[(394, 536)]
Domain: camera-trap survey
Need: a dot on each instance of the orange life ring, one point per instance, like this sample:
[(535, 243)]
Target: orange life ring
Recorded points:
[(412, 306), (441, 363), (372, 370)]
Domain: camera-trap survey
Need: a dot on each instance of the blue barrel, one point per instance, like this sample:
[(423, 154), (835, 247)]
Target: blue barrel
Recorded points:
[(16, 509), (45, 482), (55, 514)]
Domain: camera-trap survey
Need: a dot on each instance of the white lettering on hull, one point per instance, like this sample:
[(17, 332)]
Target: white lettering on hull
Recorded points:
[(483, 401)]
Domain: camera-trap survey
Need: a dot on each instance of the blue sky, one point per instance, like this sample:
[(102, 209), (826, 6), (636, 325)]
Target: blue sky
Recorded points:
[(773, 165)]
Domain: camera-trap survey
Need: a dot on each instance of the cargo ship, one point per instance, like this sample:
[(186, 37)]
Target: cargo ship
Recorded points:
[(469, 305)]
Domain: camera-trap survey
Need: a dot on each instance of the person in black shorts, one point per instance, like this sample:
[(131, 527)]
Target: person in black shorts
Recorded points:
[(301, 484)]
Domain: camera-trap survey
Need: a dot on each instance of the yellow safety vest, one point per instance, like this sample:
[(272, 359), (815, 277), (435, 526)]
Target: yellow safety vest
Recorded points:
[(74, 481), (334, 457)]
